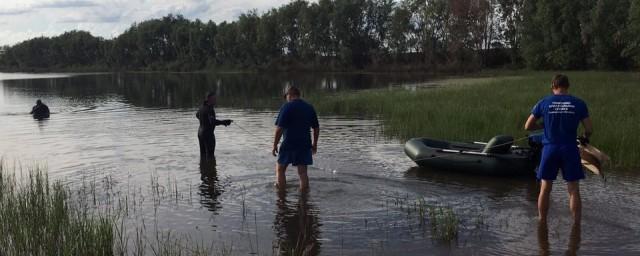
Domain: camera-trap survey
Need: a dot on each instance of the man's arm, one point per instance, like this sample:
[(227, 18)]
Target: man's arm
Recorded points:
[(532, 124), (588, 127), (316, 134), (276, 140)]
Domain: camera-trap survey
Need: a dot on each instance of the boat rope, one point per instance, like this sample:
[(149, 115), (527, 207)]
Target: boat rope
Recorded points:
[(255, 136), (452, 154)]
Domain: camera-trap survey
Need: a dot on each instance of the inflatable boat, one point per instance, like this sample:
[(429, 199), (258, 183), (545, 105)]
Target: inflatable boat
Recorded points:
[(497, 157)]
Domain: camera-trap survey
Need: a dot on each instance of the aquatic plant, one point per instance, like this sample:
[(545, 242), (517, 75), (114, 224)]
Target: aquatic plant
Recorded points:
[(38, 218), (42, 218)]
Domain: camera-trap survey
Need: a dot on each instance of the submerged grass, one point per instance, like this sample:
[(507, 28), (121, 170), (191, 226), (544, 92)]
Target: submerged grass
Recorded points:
[(37, 218), (478, 109), (42, 218)]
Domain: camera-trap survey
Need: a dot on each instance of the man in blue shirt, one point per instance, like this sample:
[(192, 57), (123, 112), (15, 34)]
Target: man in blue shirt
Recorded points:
[(295, 120), (561, 114)]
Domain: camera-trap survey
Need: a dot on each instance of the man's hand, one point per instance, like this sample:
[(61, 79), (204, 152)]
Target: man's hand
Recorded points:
[(274, 151), (227, 122), (314, 148), (583, 140)]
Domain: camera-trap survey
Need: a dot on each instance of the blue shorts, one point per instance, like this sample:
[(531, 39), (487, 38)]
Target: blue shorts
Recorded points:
[(565, 157), (295, 157)]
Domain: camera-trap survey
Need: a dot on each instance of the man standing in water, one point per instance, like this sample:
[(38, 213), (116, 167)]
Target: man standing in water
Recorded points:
[(294, 121), (208, 123), (40, 110), (561, 113)]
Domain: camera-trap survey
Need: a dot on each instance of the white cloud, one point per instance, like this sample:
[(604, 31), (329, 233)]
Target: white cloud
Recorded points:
[(24, 19)]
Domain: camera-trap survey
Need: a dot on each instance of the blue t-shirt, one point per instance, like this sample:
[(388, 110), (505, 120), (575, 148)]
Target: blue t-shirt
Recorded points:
[(297, 118), (561, 116)]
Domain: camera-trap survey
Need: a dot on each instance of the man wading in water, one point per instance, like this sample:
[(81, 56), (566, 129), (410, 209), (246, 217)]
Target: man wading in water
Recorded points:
[(40, 110), (208, 123), (294, 121), (561, 113)]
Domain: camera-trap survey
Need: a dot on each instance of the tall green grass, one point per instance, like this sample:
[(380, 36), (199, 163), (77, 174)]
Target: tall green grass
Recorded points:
[(42, 218), (37, 218), (478, 109)]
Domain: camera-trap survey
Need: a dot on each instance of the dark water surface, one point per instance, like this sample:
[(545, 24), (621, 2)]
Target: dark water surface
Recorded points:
[(136, 134)]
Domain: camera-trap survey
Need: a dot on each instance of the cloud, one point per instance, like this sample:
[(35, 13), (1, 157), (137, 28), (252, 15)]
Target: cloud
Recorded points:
[(24, 19), (16, 11), (65, 4), (92, 16)]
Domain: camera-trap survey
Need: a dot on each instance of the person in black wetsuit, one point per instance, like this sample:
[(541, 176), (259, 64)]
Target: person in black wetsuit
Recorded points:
[(40, 110), (208, 122)]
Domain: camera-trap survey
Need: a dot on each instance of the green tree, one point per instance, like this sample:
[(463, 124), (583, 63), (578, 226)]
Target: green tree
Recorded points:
[(632, 48), (609, 18)]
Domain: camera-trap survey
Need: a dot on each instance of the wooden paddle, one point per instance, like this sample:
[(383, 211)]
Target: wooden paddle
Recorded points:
[(592, 158)]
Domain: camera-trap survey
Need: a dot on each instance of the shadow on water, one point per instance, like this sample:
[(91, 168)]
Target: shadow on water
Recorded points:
[(296, 225), (497, 186), (210, 189), (572, 247)]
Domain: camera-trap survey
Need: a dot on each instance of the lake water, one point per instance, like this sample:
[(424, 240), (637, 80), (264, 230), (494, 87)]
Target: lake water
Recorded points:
[(134, 134)]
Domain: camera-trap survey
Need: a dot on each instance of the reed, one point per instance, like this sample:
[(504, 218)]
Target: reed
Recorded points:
[(478, 109), (38, 218)]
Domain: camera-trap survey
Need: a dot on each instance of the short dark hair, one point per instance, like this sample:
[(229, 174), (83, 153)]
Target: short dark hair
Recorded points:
[(293, 91), (38, 102), (211, 93), (560, 80)]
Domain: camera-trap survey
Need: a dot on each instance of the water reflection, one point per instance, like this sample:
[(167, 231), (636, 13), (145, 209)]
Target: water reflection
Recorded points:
[(498, 186), (572, 247), (42, 123), (172, 90), (210, 189), (296, 226)]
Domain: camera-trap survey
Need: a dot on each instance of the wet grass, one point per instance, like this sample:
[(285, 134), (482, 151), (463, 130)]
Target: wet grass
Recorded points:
[(443, 222), (38, 217), (478, 109)]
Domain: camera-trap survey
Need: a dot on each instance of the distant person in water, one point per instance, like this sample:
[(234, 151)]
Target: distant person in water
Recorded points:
[(40, 110), (208, 122), (295, 120)]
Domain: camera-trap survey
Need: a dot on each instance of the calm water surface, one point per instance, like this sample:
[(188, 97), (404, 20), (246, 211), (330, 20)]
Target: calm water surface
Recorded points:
[(136, 134)]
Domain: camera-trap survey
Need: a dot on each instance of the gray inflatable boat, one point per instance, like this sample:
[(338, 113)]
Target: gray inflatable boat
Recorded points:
[(497, 157)]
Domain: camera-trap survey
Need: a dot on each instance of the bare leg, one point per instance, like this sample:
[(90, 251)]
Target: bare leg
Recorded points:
[(575, 203), (304, 179), (281, 178), (543, 239), (574, 240), (543, 200)]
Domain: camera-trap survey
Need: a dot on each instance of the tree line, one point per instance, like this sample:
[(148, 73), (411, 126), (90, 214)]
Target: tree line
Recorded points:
[(429, 35)]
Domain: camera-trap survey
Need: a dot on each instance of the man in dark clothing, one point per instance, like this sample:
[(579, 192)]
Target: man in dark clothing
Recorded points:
[(40, 110), (208, 123), (295, 120)]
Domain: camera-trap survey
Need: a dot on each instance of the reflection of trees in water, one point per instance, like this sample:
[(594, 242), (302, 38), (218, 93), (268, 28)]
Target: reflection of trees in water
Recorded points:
[(210, 189), (297, 227), (187, 90)]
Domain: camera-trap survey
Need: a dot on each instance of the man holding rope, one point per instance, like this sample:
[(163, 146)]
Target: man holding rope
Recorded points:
[(562, 113), (294, 121)]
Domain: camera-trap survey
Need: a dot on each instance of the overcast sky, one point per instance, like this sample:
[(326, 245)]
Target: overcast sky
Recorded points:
[(24, 19)]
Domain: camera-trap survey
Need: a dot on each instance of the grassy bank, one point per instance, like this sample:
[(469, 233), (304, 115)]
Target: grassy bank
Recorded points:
[(478, 108)]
